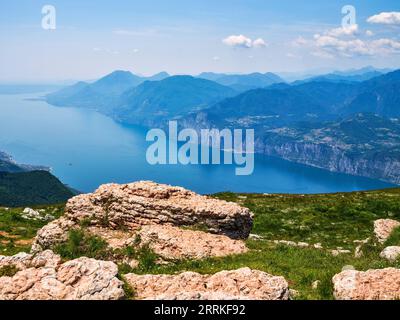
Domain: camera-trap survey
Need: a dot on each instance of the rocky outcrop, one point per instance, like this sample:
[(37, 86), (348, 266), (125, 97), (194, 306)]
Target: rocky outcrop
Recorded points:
[(175, 243), (53, 233), (383, 228), (44, 277), (22, 260), (132, 206), (31, 214), (391, 253), (333, 158), (381, 284), (239, 284)]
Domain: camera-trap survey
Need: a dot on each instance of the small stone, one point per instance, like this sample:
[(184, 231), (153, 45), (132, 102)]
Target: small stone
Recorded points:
[(255, 237), (338, 252), (31, 214), (293, 294), (391, 253), (302, 244), (315, 284), (318, 246), (383, 228), (348, 267), (358, 251)]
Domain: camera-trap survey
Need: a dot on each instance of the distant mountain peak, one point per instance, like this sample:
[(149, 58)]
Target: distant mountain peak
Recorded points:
[(162, 73), (118, 75)]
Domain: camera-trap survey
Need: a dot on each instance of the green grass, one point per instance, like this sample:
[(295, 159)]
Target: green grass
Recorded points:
[(334, 220), (16, 233), (330, 219), (81, 244), (8, 271), (300, 266), (394, 239)]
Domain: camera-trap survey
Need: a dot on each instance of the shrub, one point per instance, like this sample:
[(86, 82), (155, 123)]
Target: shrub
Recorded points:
[(394, 239), (8, 271), (147, 258), (81, 244)]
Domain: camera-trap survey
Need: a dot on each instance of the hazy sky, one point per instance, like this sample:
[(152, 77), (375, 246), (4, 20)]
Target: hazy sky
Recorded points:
[(93, 38)]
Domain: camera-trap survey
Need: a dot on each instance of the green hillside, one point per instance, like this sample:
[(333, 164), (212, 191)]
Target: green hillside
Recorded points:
[(31, 188)]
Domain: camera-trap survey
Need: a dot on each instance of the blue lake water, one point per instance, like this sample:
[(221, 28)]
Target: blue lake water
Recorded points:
[(86, 149)]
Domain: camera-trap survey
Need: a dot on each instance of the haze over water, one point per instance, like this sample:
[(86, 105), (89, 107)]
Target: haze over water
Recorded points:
[(86, 149)]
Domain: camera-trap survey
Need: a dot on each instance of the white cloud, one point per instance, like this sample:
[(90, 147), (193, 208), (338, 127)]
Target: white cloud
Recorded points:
[(259, 43), (241, 41), (216, 58), (369, 33), (386, 45), (135, 50), (385, 18), (342, 42), (341, 47), (357, 47), (343, 31), (299, 42)]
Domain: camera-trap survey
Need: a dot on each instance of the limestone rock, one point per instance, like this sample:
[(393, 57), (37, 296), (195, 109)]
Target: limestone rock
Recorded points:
[(315, 284), (380, 284), (175, 243), (43, 277), (391, 253), (144, 203), (24, 260), (116, 239), (384, 227), (348, 267), (134, 205), (293, 294), (337, 252), (52, 233), (238, 284), (292, 243), (358, 252), (31, 214)]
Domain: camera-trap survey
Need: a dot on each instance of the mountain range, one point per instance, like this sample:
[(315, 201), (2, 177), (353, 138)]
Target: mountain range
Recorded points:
[(317, 100), (324, 104), (243, 82), (102, 93), (8, 164), (156, 101)]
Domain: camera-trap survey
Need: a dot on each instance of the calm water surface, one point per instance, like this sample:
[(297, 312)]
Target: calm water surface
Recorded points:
[(86, 149)]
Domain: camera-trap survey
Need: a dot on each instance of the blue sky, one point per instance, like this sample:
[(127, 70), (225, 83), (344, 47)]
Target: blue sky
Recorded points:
[(93, 38)]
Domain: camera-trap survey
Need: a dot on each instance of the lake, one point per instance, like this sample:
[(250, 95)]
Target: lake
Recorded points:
[(86, 149)]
